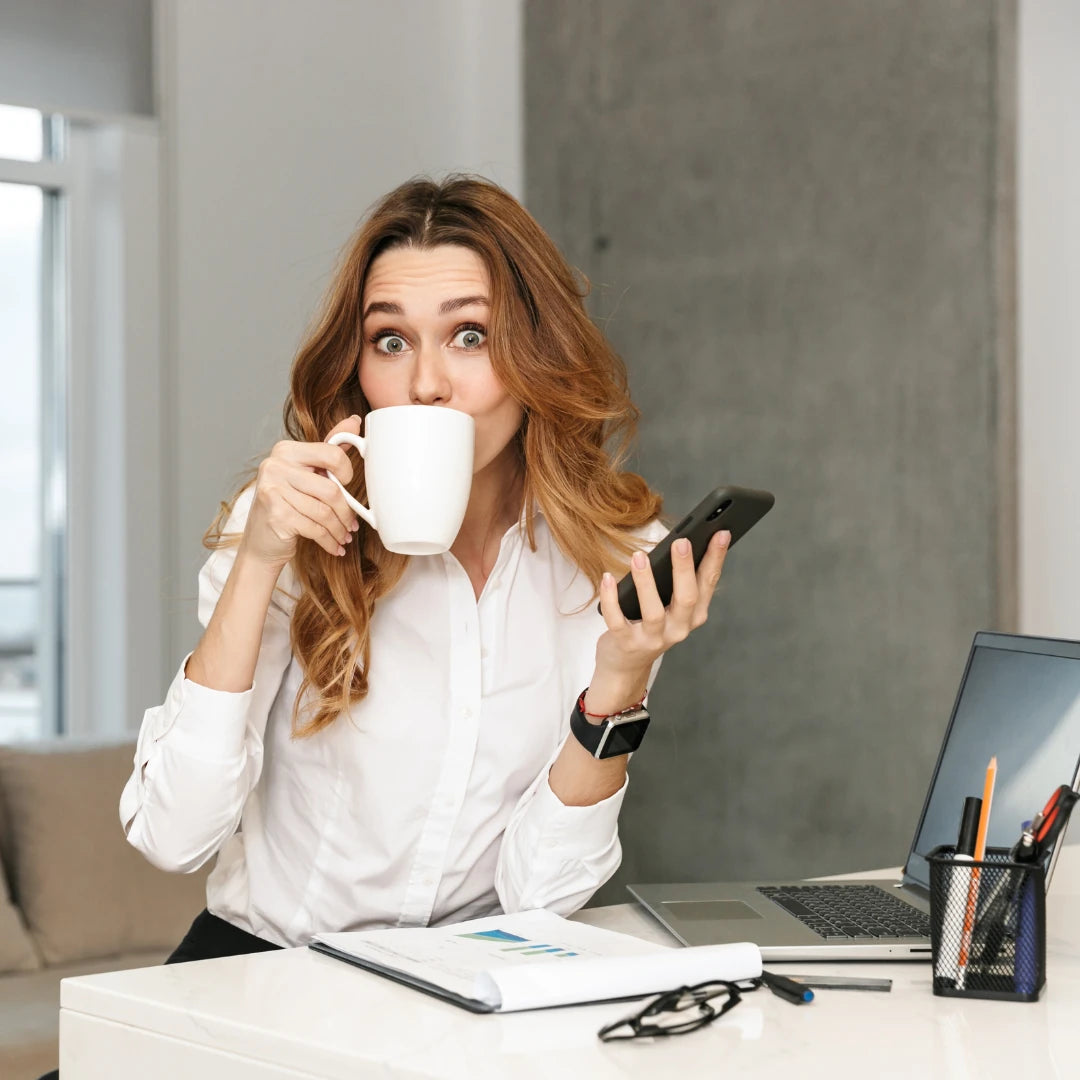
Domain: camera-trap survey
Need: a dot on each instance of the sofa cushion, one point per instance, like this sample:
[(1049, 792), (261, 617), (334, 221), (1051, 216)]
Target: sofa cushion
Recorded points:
[(17, 951), (83, 890)]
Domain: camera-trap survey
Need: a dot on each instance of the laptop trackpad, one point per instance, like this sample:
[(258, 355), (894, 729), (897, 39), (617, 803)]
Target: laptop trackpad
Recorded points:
[(700, 910)]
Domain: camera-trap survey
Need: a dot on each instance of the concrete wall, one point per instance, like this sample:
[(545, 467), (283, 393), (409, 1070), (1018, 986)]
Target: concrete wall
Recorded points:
[(281, 123), (798, 219)]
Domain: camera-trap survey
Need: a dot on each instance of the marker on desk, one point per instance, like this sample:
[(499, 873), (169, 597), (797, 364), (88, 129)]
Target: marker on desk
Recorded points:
[(952, 919), (787, 988), (973, 887)]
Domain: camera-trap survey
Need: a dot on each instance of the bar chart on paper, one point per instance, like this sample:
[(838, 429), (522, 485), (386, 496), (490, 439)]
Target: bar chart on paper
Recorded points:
[(514, 943), (515, 961), (498, 961)]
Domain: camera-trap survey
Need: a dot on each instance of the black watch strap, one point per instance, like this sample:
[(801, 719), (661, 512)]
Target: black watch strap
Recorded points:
[(618, 734)]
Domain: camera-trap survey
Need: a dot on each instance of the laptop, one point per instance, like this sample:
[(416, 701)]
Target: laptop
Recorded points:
[(1019, 698)]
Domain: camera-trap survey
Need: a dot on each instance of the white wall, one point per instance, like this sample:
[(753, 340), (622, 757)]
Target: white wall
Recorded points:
[(1049, 317), (89, 56), (282, 121)]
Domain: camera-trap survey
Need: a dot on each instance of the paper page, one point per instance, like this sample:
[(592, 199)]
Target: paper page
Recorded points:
[(535, 959), (600, 978), (454, 957)]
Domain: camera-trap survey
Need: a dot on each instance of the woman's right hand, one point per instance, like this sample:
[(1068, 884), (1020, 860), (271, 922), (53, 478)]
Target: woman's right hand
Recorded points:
[(294, 497)]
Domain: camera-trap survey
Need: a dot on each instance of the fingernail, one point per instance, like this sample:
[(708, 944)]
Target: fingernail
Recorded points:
[(682, 546), (608, 579), (725, 538), (349, 538), (355, 526), (639, 560), (341, 551)]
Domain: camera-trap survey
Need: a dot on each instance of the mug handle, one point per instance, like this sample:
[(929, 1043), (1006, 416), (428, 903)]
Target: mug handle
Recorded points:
[(361, 445)]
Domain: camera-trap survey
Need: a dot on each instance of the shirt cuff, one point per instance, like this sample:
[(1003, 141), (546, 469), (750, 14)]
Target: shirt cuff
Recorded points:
[(203, 723), (576, 830)]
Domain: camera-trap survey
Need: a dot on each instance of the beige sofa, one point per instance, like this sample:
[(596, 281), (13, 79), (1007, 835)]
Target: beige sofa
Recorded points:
[(75, 898)]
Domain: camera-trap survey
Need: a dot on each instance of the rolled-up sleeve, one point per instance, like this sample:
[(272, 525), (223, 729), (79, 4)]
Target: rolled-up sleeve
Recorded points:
[(199, 754), (556, 856)]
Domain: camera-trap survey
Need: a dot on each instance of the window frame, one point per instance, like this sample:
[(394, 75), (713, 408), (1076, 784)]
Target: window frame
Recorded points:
[(53, 176), (102, 641)]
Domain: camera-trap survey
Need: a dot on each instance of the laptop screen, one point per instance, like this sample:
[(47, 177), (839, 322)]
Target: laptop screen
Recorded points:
[(1020, 700)]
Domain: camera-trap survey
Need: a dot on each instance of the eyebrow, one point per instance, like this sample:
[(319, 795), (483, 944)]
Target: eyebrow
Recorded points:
[(389, 307)]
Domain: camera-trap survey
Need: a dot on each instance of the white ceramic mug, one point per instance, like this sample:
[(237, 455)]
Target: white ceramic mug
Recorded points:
[(418, 465)]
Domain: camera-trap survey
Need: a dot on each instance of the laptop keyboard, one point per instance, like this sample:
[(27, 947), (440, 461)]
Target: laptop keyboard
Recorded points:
[(849, 911)]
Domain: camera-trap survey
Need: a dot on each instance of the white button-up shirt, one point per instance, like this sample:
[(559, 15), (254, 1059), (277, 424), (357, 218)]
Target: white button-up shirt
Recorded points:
[(429, 801)]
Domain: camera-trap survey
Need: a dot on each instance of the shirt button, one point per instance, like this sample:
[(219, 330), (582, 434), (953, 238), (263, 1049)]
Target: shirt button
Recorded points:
[(428, 881), (466, 712), (483, 654), (551, 843)]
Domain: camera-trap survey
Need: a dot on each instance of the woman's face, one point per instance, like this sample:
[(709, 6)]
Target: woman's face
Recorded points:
[(425, 319)]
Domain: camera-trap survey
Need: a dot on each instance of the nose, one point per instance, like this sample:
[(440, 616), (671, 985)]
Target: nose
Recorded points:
[(430, 383)]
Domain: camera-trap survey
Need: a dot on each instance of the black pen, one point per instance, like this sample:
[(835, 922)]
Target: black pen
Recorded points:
[(786, 989), (1024, 849)]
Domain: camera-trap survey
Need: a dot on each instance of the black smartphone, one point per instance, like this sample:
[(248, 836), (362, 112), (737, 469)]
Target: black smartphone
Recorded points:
[(736, 509)]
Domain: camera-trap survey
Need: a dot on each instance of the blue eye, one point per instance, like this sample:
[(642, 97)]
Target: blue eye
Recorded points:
[(470, 337)]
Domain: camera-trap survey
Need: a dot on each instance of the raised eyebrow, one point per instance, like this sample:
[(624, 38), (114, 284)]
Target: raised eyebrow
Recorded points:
[(462, 302), (387, 307)]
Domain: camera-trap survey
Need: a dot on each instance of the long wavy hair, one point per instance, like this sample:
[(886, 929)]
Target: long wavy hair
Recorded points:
[(578, 419)]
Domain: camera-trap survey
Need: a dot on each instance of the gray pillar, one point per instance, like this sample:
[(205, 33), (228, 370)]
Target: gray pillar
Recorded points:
[(798, 219)]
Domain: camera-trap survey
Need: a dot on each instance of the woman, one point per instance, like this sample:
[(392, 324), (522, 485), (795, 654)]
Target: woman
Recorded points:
[(368, 739)]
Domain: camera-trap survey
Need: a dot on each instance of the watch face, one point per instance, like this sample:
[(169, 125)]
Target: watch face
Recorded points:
[(619, 734), (624, 738)]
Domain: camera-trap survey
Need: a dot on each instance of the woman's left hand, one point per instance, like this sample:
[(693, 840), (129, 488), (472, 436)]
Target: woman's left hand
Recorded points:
[(628, 649)]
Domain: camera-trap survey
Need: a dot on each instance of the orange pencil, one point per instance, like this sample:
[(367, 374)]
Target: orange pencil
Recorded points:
[(973, 887)]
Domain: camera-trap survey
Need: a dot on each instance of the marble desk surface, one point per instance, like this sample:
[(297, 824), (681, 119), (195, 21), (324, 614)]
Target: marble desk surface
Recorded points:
[(297, 1013)]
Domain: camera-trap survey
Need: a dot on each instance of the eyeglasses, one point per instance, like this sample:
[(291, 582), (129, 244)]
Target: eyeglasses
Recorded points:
[(679, 1011)]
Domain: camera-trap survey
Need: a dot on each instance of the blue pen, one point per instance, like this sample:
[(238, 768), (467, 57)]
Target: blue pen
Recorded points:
[(1026, 975), (1025, 972)]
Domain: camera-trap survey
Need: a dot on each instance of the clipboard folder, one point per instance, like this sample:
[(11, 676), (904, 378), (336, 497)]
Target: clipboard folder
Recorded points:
[(533, 960)]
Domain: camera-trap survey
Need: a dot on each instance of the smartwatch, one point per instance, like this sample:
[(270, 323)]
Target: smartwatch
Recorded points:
[(620, 733)]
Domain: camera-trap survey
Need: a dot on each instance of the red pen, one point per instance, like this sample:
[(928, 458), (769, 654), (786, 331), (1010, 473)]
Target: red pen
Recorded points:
[(1046, 826), (1055, 816)]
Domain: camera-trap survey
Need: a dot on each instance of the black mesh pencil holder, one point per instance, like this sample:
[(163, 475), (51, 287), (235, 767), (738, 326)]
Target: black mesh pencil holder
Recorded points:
[(987, 926)]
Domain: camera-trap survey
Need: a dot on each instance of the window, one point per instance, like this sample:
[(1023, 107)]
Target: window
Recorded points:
[(22, 134), (31, 425), (81, 448)]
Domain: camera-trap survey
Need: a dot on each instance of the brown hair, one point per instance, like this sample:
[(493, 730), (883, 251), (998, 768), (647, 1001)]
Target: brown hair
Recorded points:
[(577, 427)]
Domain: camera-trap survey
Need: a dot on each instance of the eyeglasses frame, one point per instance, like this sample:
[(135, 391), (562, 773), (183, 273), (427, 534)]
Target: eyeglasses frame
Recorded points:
[(671, 1001)]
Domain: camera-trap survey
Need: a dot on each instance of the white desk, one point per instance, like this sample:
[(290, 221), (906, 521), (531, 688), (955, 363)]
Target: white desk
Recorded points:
[(298, 1014)]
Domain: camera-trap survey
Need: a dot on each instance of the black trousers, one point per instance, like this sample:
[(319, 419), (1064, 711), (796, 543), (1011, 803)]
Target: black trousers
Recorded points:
[(209, 938)]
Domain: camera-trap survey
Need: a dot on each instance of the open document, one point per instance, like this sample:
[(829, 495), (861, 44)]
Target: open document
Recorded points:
[(534, 960)]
